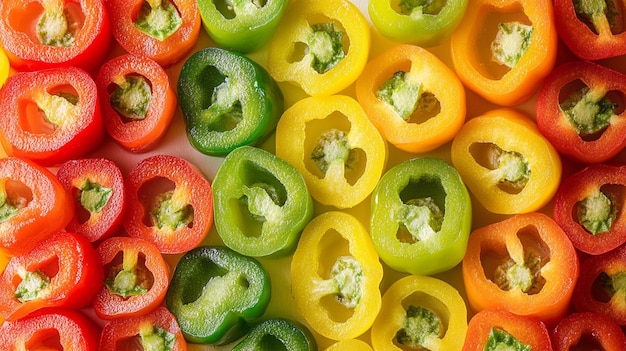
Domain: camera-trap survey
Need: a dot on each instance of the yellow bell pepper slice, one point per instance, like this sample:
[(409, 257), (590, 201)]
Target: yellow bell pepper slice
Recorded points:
[(349, 344), (4, 66)]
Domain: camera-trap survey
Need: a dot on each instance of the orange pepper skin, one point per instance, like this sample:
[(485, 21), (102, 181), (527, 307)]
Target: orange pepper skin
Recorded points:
[(518, 238), (472, 58), (414, 134)]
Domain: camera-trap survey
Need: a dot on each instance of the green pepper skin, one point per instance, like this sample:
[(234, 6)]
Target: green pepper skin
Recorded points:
[(239, 29), (420, 178), (278, 334), (259, 101), (215, 293), (262, 203)]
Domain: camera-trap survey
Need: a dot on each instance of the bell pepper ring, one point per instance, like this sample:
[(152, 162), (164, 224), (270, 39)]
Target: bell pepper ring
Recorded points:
[(278, 333), (5, 66), (588, 330)]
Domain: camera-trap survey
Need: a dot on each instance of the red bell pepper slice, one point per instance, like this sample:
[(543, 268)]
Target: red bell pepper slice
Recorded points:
[(97, 186), (170, 203), (589, 206), (136, 278), (136, 124), (33, 204), (578, 111), (158, 326), (494, 329), (588, 331), (50, 116), (62, 271), (51, 329), (38, 34), (166, 42)]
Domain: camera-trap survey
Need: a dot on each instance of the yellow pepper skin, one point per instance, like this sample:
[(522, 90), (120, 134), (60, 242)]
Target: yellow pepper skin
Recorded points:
[(429, 293), (291, 51), (472, 55), (349, 344), (4, 66), (506, 163), (336, 276), (336, 148)]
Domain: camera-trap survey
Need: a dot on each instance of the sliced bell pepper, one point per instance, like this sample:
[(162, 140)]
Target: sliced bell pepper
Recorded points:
[(524, 264), (136, 278), (33, 205), (50, 116), (163, 30), (155, 330), (97, 186), (421, 216), (39, 34), (578, 111), (588, 331), (592, 30), (338, 274), (262, 203), (50, 329), (62, 271), (349, 344), (420, 312), (320, 46), (215, 294), (339, 152), (589, 206), (503, 49), (228, 100), (600, 287), (242, 26), (417, 22), (170, 203), (499, 329), (277, 334), (505, 162), (413, 98), (5, 66), (138, 102)]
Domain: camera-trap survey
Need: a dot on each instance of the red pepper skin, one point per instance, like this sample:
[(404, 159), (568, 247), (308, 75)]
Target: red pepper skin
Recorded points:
[(151, 174), (49, 208), (575, 327), (576, 188), (94, 225), (26, 53), (70, 262), (555, 126), (50, 329), (108, 305), (28, 133)]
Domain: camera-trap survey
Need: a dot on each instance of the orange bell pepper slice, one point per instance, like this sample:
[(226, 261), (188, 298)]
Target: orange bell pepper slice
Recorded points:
[(524, 264), (502, 49), (413, 98)]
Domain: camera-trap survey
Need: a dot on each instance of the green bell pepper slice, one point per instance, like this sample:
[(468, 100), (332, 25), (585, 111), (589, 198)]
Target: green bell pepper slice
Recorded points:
[(215, 293), (227, 100), (421, 216), (262, 202), (278, 334), (241, 25)]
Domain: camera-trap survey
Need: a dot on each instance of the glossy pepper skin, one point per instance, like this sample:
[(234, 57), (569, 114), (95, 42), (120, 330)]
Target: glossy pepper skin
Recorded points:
[(575, 330), (349, 344), (589, 208), (5, 66), (51, 115), (277, 332), (578, 111), (423, 110), (215, 293), (81, 33), (227, 100), (524, 63), (524, 264), (505, 162), (420, 312), (319, 46), (421, 216), (243, 26), (338, 274), (338, 151), (424, 24), (262, 203)]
